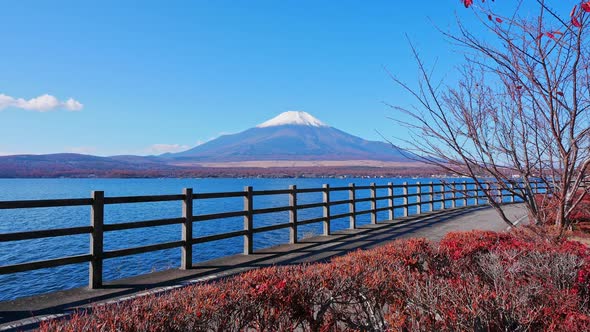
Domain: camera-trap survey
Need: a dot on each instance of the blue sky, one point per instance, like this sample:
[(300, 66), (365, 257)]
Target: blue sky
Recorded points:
[(153, 76)]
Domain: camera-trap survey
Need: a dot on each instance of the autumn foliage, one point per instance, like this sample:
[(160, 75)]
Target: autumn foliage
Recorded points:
[(576, 15), (548, 204), (478, 280)]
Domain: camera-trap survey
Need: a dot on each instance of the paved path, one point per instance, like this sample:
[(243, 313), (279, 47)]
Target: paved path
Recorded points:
[(27, 312)]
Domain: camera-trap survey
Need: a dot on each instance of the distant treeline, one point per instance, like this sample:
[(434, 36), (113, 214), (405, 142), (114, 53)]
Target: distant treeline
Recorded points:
[(210, 172)]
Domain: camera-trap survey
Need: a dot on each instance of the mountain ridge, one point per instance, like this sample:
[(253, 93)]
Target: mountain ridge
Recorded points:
[(291, 136)]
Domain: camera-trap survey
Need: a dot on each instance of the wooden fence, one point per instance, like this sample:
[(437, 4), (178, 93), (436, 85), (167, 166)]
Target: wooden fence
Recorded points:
[(425, 195)]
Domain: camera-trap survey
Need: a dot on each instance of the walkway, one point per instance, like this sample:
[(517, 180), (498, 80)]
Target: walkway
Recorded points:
[(25, 313)]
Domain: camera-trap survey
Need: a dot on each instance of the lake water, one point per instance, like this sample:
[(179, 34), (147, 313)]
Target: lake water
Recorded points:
[(70, 276)]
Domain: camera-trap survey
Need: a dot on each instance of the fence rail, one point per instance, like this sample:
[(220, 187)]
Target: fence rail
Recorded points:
[(426, 195)]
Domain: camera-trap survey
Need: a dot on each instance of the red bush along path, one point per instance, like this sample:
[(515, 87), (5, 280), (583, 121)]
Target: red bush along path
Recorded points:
[(548, 205), (479, 280)]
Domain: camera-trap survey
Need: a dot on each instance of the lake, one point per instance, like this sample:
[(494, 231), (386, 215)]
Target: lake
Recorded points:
[(70, 276)]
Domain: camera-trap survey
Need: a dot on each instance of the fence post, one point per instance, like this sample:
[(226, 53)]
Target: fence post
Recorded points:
[(454, 192), (96, 240), (186, 260), (443, 190), (431, 189), (352, 205), (326, 223), (465, 193), (373, 204), (248, 222), (418, 198), (390, 200), (293, 214), (512, 192), (476, 192), (405, 192)]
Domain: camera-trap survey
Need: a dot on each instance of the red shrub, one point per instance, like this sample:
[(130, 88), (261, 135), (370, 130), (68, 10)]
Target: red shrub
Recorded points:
[(524, 280), (582, 211), (468, 245), (548, 206)]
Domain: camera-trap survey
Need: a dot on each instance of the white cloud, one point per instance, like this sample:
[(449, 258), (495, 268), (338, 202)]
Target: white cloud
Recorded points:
[(43, 103), (157, 149), (164, 148), (5, 101), (73, 105)]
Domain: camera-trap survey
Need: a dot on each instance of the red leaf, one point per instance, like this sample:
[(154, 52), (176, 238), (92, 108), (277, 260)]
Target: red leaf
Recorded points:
[(585, 6), (490, 17), (519, 87), (499, 20), (467, 3), (573, 11), (282, 284), (575, 22), (550, 35), (560, 93)]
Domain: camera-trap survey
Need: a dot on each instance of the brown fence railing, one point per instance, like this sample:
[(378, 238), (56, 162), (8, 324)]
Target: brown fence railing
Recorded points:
[(424, 195)]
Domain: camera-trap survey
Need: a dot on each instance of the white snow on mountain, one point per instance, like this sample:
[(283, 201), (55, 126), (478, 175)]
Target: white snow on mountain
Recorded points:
[(293, 118)]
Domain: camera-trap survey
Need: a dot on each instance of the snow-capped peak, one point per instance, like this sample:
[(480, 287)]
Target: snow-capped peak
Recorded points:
[(293, 118)]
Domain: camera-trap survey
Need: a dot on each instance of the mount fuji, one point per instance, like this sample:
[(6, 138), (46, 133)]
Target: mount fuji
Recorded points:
[(291, 136)]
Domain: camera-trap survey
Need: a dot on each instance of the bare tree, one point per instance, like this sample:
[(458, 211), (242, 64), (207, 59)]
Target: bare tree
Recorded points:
[(519, 112)]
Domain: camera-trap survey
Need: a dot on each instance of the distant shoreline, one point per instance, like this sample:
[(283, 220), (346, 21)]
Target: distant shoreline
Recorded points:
[(232, 172)]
